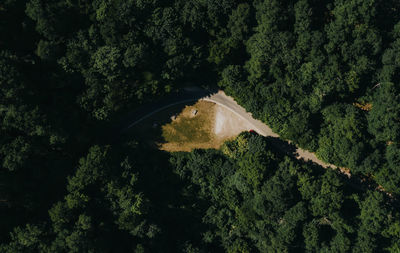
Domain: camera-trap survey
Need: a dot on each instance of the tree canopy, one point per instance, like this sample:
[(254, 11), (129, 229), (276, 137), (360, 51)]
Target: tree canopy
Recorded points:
[(323, 74)]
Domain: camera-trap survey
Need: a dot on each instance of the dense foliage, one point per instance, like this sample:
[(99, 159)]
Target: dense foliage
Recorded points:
[(244, 198), (260, 201), (324, 74)]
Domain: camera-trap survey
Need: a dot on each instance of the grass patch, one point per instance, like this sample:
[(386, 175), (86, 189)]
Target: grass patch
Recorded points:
[(189, 131), (185, 131), (188, 128)]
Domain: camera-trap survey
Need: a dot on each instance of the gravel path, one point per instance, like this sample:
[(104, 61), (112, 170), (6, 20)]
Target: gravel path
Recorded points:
[(228, 124), (261, 128)]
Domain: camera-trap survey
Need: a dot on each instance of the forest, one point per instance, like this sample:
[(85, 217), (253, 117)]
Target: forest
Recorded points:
[(322, 74)]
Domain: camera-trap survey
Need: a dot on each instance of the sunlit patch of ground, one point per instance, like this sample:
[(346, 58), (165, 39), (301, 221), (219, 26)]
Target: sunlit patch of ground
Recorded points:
[(209, 127), (178, 129)]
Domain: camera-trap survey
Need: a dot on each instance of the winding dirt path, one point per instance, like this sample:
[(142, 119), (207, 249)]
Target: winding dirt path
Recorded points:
[(261, 128), (229, 103)]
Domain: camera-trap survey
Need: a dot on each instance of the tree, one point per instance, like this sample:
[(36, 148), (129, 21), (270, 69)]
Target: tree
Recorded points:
[(342, 138), (389, 175), (373, 218), (27, 239), (384, 117)]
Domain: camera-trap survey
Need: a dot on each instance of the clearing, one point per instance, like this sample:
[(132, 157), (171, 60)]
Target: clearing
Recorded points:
[(184, 128), (202, 125)]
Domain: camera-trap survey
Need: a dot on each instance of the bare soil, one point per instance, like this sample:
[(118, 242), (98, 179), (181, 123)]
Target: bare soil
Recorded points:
[(228, 124)]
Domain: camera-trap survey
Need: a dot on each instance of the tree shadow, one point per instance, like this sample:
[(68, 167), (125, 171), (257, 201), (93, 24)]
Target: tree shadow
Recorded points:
[(176, 208), (159, 112), (282, 146)]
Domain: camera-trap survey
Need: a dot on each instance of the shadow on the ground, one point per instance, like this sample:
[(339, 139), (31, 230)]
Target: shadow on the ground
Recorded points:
[(357, 182), (176, 100), (282, 146), (149, 131)]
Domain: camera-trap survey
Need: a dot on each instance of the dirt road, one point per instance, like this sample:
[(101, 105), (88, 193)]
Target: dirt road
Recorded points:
[(220, 98), (227, 102), (261, 128)]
